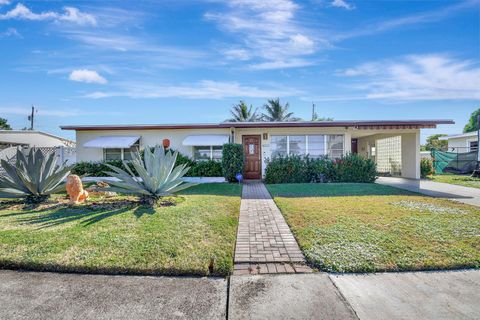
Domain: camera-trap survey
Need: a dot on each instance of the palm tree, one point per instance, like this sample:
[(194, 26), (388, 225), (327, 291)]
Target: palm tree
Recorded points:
[(315, 117), (275, 112), (242, 113)]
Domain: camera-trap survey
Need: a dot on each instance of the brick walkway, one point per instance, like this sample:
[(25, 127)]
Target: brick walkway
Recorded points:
[(265, 243)]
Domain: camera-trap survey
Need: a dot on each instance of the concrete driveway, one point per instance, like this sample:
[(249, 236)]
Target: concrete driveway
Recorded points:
[(412, 295), (435, 189), (409, 295)]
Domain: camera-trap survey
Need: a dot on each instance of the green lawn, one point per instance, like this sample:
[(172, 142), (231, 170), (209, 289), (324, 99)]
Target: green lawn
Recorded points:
[(118, 236), (461, 180), (368, 227)]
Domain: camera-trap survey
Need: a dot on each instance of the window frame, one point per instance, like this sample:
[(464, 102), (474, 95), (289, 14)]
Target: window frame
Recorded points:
[(211, 158), (469, 145), (307, 150), (122, 152)]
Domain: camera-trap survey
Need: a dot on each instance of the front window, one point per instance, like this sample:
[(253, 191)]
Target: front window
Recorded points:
[(335, 145), (203, 153), (297, 145), (473, 145), (316, 146), (312, 145), (278, 145), (113, 154), (121, 154)]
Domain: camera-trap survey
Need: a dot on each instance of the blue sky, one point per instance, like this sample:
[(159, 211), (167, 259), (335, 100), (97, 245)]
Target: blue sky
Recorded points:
[(104, 62)]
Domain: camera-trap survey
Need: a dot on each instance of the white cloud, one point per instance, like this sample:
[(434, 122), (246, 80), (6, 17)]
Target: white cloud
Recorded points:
[(419, 77), (267, 30), (342, 4), (206, 89), (4, 2), (76, 16), (236, 54), (410, 20), (88, 76), (280, 64), (10, 32), (71, 14)]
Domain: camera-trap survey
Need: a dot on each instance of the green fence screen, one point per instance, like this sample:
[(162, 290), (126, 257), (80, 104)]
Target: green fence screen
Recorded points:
[(453, 162)]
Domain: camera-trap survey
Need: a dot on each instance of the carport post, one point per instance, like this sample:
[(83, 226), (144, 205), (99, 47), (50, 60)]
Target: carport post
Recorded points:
[(411, 155)]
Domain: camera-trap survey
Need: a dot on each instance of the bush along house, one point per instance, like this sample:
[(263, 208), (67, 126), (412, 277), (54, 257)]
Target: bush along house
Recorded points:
[(393, 145)]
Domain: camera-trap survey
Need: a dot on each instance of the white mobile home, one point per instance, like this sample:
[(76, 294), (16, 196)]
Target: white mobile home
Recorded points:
[(394, 145), (461, 143)]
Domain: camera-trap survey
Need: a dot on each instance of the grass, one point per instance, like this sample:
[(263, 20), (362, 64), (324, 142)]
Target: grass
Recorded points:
[(119, 236), (369, 227), (461, 180)]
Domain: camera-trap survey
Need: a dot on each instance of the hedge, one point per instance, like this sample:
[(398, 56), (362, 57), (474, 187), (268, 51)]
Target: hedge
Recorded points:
[(232, 161), (302, 169)]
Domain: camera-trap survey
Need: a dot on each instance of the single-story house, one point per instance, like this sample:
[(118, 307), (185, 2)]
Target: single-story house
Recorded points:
[(394, 145), (32, 138), (461, 143)]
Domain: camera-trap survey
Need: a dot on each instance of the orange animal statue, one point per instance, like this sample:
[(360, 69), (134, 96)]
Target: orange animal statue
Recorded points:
[(75, 189)]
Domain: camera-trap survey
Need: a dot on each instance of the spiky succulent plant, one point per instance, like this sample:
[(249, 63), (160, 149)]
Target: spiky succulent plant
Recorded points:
[(158, 175), (34, 177)]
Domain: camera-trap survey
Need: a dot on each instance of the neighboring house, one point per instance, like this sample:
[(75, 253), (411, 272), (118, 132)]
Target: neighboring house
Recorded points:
[(461, 143), (28, 138), (394, 145), (11, 140)]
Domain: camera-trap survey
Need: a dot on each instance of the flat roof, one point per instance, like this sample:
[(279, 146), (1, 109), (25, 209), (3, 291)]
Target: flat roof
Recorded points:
[(461, 135), (2, 131), (361, 124)]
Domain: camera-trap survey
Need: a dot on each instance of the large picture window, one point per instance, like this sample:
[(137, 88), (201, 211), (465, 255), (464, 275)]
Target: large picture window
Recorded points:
[(278, 145), (203, 153), (313, 145), (120, 154)]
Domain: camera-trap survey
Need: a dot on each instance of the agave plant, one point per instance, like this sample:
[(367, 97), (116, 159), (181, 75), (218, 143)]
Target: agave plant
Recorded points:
[(34, 177), (158, 175)]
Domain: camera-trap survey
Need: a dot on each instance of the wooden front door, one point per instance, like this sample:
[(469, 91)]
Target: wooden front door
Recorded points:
[(354, 145), (253, 162)]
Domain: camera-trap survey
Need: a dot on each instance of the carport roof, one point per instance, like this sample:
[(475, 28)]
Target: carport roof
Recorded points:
[(358, 124)]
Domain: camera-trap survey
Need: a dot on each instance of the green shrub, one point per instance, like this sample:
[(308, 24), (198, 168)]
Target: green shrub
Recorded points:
[(354, 168), (300, 169), (208, 168), (426, 167), (289, 169), (320, 169), (96, 169), (232, 160)]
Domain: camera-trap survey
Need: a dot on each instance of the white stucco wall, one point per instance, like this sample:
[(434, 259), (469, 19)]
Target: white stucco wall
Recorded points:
[(411, 155), (147, 138), (460, 144)]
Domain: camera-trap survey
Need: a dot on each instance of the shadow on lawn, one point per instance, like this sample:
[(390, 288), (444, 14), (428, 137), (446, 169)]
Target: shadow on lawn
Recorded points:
[(85, 216)]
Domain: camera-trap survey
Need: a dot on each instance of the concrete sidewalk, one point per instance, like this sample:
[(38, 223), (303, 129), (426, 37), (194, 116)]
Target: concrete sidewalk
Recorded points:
[(409, 295), (37, 295), (435, 189)]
